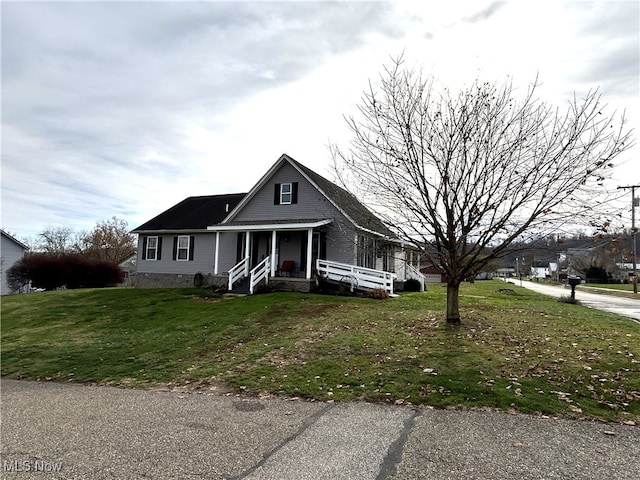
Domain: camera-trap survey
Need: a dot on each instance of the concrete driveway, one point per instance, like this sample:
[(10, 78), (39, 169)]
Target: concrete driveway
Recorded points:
[(623, 306), (67, 431)]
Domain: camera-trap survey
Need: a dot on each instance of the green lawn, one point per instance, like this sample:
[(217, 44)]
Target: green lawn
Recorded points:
[(515, 349)]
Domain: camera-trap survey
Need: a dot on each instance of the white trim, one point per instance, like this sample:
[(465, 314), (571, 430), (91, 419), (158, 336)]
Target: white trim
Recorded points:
[(216, 254), (274, 260), (269, 226), (155, 249), (310, 251), (282, 193), (187, 249)]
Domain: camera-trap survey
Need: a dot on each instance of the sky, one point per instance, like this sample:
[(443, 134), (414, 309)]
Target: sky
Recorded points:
[(126, 108)]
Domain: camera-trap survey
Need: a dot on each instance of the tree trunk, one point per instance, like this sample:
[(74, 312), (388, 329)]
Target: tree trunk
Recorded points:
[(453, 307)]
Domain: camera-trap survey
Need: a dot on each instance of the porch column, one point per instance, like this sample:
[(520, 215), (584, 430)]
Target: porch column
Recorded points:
[(273, 253), (247, 252), (215, 260), (309, 252)]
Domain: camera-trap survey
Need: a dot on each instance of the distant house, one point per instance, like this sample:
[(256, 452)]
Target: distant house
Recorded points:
[(11, 251), (128, 266), (540, 270), (291, 227)]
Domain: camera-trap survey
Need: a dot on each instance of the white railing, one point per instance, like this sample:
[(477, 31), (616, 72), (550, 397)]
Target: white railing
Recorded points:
[(358, 277), (238, 271), (259, 272), (412, 272)]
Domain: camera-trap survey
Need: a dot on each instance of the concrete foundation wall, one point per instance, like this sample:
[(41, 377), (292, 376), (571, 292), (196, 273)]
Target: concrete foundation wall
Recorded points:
[(175, 280)]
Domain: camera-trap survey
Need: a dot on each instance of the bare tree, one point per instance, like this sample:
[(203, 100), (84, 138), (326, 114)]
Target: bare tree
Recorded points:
[(56, 240), (110, 241), (468, 176)]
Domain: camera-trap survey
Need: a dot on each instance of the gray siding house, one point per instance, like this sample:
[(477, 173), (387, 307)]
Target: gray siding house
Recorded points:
[(11, 251), (289, 220)]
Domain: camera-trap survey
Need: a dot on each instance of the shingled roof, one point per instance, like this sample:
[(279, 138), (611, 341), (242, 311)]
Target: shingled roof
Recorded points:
[(194, 213), (347, 202)]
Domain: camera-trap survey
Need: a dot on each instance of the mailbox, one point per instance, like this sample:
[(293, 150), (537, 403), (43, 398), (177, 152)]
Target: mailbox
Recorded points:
[(574, 280)]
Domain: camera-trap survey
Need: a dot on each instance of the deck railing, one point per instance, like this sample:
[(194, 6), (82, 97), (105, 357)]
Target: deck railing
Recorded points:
[(258, 273), (412, 272), (359, 278), (238, 271)]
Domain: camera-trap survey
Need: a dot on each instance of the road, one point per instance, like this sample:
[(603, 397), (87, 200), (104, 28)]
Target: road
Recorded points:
[(623, 306), (67, 431)]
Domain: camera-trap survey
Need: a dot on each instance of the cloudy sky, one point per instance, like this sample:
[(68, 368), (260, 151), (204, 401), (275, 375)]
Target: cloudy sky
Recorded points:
[(126, 108)]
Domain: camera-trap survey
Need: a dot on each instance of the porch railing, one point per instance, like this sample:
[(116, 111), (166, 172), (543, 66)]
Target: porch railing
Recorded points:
[(412, 272), (238, 271), (258, 273), (358, 277)]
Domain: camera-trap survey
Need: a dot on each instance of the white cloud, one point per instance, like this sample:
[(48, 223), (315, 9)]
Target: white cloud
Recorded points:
[(125, 108)]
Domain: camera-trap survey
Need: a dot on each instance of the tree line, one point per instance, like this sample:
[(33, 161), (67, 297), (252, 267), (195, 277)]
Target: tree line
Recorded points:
[(63, 258)]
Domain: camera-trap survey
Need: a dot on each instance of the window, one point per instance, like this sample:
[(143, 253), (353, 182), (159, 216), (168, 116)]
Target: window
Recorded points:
[(183, 248), (151, 250), (285, 194), (366, 252)]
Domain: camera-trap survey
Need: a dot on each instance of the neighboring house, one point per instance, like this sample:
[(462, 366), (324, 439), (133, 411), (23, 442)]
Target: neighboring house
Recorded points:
[(434, 274), (11, 251), (292, 225), (540, 270), (128, 266)]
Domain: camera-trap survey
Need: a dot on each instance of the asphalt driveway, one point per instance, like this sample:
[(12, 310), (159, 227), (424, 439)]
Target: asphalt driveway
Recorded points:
[(67, 431)]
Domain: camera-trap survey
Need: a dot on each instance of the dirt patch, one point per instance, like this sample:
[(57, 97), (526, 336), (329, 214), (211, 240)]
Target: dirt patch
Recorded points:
[(508, 291)]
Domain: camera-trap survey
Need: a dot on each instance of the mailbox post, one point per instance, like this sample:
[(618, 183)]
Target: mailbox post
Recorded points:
[(573, 280)]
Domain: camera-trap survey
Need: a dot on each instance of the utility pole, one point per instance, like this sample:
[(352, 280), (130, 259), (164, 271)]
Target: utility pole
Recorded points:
[(633, 232)]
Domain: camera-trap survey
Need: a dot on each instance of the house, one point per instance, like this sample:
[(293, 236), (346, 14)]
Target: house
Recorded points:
[(540, 270), (11, 251), (128, 267), (291, 227)]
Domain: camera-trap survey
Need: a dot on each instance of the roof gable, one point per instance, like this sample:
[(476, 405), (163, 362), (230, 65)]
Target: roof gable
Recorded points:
[(194, 213), (359, 215), (14, 240)]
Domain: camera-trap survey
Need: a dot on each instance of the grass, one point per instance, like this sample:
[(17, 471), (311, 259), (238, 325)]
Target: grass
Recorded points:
[(516, 350)]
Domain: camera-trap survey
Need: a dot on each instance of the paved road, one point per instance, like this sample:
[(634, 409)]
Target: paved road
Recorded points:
[(623, 306), (66, 431)]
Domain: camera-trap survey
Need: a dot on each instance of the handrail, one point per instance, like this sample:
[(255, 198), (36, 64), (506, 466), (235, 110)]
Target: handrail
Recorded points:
[(413, 273), (238, 271), (360, 277), (259, 272)]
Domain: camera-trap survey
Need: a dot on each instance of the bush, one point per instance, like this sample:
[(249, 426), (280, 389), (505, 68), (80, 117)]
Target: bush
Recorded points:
[(568, 299), (412, 285), (17, 276), (70, 271), (377, 293)]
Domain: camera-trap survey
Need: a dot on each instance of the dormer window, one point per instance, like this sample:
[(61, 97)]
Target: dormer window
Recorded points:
[(285, 193)]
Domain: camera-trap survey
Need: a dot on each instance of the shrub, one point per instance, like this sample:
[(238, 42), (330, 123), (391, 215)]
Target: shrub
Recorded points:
[(412, 285), (377, 293), (568, 299), (70, 271), (17, 276)]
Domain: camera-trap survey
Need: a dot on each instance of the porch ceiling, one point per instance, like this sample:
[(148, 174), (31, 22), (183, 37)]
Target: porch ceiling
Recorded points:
[(269, 225)]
